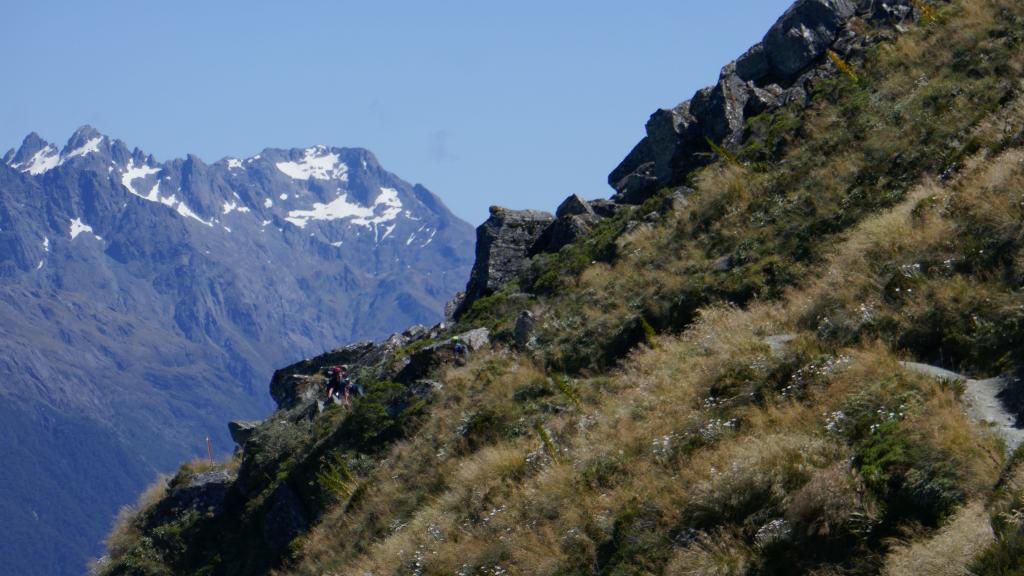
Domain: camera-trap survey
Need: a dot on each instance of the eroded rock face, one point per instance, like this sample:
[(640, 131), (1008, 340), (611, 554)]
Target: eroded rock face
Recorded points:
[(574, 219), (803, 34), (526, 326), (242, 430), (778, 71), (502, 244), (203, 493)]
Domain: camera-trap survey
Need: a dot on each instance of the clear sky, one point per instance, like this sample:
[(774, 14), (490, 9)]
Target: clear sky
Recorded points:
[(518, 103)]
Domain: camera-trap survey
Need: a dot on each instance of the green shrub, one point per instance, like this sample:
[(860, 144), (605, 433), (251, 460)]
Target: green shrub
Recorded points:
[(912, 480)]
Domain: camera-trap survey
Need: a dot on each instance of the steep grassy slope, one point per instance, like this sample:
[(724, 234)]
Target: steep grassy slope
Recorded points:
[(716, 388)]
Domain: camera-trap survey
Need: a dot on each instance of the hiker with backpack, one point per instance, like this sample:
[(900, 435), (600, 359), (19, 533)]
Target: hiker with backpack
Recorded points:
[(335, 384), (460, 350)]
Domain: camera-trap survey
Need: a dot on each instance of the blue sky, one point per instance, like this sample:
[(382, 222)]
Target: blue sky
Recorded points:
[(512, 103)]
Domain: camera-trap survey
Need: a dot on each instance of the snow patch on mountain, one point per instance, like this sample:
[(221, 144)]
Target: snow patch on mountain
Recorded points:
[(235, 164), (133, 173), (340, 208), (49, 157), (41, 162), (93, 145), (233, 206), (77, 227), (318, 163)]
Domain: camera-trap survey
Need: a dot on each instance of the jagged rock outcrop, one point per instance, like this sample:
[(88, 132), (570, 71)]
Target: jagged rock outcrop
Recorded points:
[(242, 430), (502, 245), (204, 493), (526, 326), (302, 383), (574, 219), (776, 72)]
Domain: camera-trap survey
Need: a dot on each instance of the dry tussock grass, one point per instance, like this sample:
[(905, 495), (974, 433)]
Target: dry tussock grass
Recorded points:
[(948, 552), (125, 532)]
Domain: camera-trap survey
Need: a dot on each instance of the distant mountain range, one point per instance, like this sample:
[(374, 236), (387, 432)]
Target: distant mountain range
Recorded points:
[(143, 304)]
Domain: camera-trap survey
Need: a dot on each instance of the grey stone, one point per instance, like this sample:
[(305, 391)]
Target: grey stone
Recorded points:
[(605, 208), (803, 34), (523, 334), (753, 64), (452, 306), (719, 109), (761, 100), (502, 245), (204, 493), (677, 200), (640, 160), (242, 430), (476, 339), (416, 332), (563, 232), (574, 206)]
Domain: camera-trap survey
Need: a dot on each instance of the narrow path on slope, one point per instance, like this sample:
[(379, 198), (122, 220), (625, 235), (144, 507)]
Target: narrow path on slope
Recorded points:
[(981, 397), (982, 400)]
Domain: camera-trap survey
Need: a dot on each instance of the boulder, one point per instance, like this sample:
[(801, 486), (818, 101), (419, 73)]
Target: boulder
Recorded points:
[(719, 109), (677, 200), (476, 339), (605, 208), (753, 64), (672, 135), (503, 243), (803, 34), (242, 430), (293, 389), (574, 206), (204, 493), (523, 334), (635, 174)]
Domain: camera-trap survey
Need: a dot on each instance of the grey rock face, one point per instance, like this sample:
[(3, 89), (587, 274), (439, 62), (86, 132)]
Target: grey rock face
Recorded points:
[(605, 208), (574, 206), (242, 430), (574, 219), (204, 493), (803, 34), (476, 339), (778, 71), (502, 244), (526, 325), (453, 305)]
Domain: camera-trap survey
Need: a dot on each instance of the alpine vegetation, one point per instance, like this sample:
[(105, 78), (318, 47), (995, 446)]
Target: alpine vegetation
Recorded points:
[(788, 344)]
